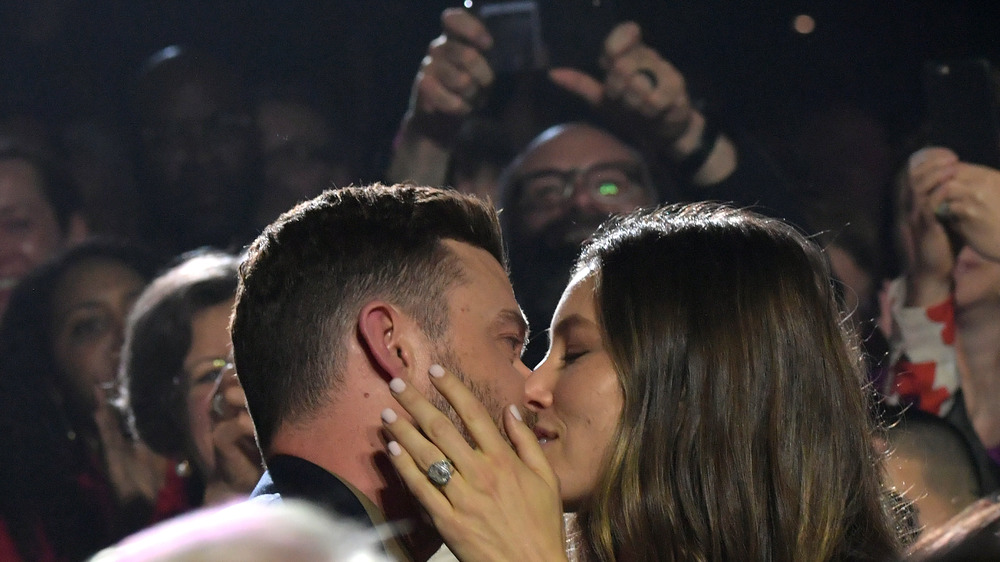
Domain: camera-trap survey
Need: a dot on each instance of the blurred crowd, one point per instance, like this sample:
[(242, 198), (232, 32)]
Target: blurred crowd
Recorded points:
[(121, 241)]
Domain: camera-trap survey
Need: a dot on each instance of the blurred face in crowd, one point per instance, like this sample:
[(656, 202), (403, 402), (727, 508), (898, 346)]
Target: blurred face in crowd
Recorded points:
[(207, 362), (576, 394), (296, 155), (199, 148), (572, 180), (977, 279), (89, 309), (29, 230)]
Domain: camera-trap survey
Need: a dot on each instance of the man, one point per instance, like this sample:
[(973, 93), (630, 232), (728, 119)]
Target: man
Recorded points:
[(340, 295), (642, 96), (931, 464), (39, 215), (199, 152), (555, 195)]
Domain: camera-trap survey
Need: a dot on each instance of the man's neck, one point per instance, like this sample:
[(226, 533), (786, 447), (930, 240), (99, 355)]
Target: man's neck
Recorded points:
[(345, 440)]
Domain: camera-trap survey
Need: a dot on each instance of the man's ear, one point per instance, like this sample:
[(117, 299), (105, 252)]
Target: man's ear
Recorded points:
[(386, 334)]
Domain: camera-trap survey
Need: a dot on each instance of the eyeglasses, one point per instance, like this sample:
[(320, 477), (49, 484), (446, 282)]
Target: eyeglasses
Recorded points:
[(206, 376), (604, 181)]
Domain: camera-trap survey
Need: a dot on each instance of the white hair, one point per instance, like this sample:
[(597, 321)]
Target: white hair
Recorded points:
[(250, 532)]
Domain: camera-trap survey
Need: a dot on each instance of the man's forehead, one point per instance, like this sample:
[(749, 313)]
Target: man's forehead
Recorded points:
[(576, 145), (474, 259), (485, 281)]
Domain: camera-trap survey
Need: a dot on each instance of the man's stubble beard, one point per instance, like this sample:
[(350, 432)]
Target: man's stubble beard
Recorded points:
[(484, 392)]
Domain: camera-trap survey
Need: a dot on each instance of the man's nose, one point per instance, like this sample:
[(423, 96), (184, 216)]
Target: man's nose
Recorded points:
[(581, 197)]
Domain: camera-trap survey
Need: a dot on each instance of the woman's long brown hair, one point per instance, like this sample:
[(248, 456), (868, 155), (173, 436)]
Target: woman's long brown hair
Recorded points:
[(745, 433)]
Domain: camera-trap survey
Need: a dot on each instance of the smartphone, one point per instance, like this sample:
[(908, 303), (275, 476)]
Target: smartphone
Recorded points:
[(962, 113), (516, 28)]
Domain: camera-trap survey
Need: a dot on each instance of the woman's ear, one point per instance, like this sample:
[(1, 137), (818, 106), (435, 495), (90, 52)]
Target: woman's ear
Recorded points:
[(386, 333)]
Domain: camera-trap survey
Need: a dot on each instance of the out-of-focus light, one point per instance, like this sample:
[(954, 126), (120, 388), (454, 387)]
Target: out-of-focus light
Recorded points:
[(467, 4), (804, 24)]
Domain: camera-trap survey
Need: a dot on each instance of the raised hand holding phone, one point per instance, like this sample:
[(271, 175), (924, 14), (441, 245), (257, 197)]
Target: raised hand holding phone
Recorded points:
[(969, 204), (963, 122), (638, 80), (453, 76)]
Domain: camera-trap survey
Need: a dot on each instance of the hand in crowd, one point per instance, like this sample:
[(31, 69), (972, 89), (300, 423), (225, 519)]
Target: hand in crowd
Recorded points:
[(452, 77), (646, 90), (237, 460), (135, 471), (451, 82), (638, 79), (498, 504), (968, 200), (929, 251)]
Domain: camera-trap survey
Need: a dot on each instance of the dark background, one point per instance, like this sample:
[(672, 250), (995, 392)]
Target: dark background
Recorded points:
[(68, 58)]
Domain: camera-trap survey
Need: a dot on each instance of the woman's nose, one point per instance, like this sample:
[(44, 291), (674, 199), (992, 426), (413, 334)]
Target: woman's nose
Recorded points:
[(538, 388)]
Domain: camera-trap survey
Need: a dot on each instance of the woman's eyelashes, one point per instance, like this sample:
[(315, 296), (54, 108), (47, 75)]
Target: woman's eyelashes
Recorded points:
[(572, 354)]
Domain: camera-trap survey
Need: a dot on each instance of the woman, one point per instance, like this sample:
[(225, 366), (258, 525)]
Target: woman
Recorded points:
[(944, 329), (42, 213), (71, 481), (181, 393), (700, 400)]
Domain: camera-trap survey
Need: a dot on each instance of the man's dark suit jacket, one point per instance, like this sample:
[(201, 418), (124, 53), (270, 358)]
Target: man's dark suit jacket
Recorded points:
[(289, 477)]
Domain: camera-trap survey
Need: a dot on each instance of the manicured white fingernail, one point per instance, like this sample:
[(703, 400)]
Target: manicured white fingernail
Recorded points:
[(388, 415), (516, 413), (436, 371), (397, 385), (394, 448)]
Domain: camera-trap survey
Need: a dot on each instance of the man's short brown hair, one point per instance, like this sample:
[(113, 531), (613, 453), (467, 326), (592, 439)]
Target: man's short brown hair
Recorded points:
[(308, 274)]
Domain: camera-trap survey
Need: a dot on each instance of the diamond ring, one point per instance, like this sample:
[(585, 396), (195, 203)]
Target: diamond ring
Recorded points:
[(440, 472)]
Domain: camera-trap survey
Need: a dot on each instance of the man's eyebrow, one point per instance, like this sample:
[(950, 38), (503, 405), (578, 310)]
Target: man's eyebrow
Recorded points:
[(516, 317)]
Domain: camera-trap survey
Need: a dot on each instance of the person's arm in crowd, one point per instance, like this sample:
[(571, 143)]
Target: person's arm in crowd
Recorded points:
[(640, 88), (650, 96), (929, 254), (650, 92), (968, 200), (925, 370), (238, 464), (135, 472), (450, 84)]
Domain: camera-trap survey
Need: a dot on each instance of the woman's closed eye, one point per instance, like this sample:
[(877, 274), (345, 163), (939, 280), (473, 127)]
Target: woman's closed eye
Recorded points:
[(571, 355)]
